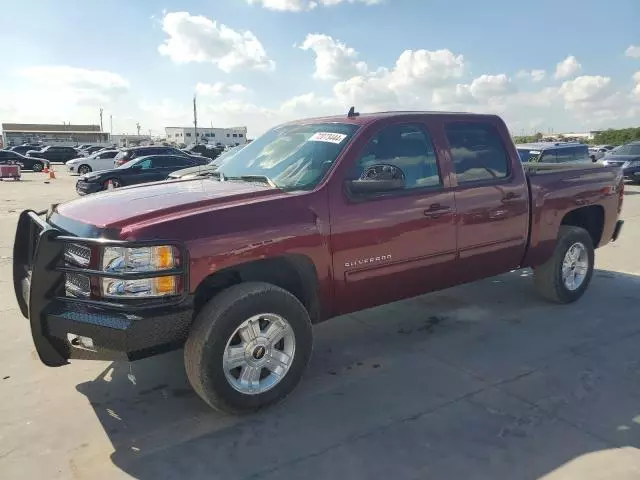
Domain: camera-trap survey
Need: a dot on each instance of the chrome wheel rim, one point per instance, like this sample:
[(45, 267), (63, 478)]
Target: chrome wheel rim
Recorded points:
[(259, 353), (38, 167), (575, 266), (84, 170)]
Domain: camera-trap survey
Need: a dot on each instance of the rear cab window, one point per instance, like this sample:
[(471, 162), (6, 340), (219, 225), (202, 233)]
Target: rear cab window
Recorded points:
[(477, 151)]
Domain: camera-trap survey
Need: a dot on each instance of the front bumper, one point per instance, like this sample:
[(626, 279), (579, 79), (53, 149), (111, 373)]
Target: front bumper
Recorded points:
[(85, 188), (117, 331)]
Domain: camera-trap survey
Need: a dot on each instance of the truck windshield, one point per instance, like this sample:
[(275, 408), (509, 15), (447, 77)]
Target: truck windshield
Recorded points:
[(293, 157)]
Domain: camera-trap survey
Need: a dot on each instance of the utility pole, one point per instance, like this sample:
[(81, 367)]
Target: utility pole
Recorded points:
[(138, 127), (101, 129), (111, 125), (195, 118)]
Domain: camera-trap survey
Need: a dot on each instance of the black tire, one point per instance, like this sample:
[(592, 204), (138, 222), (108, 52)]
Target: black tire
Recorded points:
[(548, 277), (216, 323), (84, 169), (37, 167)]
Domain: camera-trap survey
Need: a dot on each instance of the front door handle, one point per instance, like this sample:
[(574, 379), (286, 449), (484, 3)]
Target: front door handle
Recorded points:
[(435, 210), (510, 196)]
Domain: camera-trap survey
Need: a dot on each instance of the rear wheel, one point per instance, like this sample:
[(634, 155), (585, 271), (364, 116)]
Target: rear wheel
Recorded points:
[(84, 169), (37, 166), (248, 348), (566, 275)]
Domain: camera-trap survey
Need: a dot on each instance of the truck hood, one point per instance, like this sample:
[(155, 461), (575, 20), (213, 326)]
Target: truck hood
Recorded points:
[(126, 206)]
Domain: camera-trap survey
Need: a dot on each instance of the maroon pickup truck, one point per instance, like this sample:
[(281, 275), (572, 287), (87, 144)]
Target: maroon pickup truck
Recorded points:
[(314, 219)]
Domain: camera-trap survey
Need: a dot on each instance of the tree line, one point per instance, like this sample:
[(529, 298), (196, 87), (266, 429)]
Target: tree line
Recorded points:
[(610, 136)]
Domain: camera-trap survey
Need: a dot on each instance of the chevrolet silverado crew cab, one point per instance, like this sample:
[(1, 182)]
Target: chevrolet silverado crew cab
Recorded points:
[(314, 219)]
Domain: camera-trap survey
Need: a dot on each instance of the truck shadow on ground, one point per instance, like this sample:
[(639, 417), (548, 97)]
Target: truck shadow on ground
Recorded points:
[(461, 381)]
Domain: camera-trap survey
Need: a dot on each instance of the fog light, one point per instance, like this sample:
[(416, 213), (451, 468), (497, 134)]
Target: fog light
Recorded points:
[(79, 341)]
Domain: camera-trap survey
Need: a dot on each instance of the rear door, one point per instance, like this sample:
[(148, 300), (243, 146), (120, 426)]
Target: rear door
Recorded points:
[(491, 197), (392, 245), (103, 161)]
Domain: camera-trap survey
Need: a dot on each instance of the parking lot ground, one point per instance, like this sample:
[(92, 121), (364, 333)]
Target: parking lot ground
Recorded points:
[(482, 381)]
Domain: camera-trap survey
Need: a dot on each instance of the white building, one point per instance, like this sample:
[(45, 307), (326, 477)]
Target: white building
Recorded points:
[(213, 136)]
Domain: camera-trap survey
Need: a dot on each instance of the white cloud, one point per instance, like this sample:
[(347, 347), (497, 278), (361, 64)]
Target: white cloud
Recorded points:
[(78, 84), (195, 38), (219, 88), (636, 90), (334, 59), (536, 75), (568, 67), (633, 51), (586, 89), (304, 5), (488, 86)]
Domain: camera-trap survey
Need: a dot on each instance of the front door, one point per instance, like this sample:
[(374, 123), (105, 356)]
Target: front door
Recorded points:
[(491, 198), (398, 244)]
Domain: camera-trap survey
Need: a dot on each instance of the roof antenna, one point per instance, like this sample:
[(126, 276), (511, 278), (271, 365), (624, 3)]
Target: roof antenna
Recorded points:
[(352, 113)]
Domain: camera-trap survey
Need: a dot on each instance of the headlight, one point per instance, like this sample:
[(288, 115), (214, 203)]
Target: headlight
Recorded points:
[(140, 260)]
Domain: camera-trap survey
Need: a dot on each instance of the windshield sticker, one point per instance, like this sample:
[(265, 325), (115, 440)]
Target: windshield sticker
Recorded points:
[(534, 152), (327, 137)]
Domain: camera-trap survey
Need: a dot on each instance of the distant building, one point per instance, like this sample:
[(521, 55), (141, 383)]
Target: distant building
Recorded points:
[(131, 140), (62, 134), (213, 136)]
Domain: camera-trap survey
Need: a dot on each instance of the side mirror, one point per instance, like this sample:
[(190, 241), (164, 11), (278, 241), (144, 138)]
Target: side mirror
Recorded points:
[(364, 186), (378, 178)]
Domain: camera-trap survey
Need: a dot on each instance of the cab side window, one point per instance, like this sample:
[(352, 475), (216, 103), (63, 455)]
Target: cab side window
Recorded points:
[(477, 151), (408, 147)]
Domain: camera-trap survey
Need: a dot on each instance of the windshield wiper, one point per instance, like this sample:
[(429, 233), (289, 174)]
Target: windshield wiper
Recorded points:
[(254, 178)]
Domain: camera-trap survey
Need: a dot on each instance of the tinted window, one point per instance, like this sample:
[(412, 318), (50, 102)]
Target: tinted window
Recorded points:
[(628, 150), (549, 156), (145, 163), (123, 155), (477, 151), (169, 161), (408, 147)]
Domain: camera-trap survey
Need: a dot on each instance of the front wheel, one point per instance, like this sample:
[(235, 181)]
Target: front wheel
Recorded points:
[(566, 275), (84, 169), (37, 166), (248, 347)]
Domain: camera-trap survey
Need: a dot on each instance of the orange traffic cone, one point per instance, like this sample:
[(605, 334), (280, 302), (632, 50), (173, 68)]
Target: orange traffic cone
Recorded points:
[(52, 174), (110, 185), (46, 169)]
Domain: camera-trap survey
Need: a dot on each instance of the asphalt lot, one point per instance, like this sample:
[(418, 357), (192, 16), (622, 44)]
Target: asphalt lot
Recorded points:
[(483, 381)]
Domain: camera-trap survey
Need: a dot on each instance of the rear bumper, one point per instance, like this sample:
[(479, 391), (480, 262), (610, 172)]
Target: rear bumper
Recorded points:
[(116, 331), (617, 230)]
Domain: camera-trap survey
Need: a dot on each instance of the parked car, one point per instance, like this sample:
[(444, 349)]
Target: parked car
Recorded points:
[(209, 151), (313, 219), (26, 163), (23, 149), (54, 153), (554, 152), (596, 153), (147, 169), (128, 154), (100, 160), (204, 170), (626, 156), (91, 150)]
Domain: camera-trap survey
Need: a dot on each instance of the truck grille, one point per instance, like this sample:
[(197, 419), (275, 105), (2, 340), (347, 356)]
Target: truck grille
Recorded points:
[(77, 255), (77, 285)]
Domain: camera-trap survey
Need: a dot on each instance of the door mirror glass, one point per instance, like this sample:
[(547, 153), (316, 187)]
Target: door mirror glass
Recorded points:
[(378, 178)]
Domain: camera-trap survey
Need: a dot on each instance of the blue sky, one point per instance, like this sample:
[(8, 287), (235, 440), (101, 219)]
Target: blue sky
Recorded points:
[(269, 63)]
